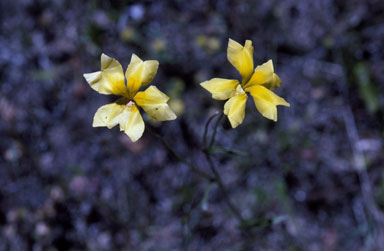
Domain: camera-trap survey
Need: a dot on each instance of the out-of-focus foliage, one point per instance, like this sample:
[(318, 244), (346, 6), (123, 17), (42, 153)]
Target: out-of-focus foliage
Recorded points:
[(67, 186), (367, 89)]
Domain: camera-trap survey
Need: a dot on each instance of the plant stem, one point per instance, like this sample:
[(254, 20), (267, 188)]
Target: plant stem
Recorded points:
[(218, 180), (215, 130), (205, 149), (180, 158), (206, 128)]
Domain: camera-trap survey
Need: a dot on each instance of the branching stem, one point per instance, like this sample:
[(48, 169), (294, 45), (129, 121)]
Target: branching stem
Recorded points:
[(180, 158), (218, 179), (206, 150)]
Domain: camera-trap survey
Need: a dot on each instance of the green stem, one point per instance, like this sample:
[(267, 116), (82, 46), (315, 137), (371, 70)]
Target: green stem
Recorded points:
[(215, 130), (217, 178), (206, 128), (219, 181), (216, 174), (180, 158)]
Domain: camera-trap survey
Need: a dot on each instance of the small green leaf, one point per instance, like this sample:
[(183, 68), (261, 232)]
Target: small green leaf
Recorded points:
[(368, 91)]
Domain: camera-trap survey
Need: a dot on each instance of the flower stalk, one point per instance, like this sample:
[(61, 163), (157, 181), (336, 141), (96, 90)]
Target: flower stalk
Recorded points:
[(217, 178), (194, 168)]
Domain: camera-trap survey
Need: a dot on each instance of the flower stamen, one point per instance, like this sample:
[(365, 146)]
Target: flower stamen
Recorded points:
[(130, 103)]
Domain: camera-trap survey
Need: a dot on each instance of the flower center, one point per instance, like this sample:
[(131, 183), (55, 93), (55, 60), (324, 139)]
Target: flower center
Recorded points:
[(130, 103), (239, 90)]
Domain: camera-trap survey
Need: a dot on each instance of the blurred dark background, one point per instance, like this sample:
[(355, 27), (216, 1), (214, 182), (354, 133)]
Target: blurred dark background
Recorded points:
[(311, 181)]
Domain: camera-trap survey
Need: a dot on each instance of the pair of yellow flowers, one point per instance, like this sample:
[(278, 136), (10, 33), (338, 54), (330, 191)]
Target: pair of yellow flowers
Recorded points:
[(124, 111)]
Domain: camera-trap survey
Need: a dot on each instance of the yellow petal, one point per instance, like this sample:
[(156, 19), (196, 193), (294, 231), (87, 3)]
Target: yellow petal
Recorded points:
[(110, 80), (108, 115), (234, 108), (241, 58), (266, 101), (131, 122), (154, 102), (140, 73), (263, 74), (220, 88), (274, 83)]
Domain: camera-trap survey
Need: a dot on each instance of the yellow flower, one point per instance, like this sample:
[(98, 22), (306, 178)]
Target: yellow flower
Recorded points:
[(257, 82), (124, 111)]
